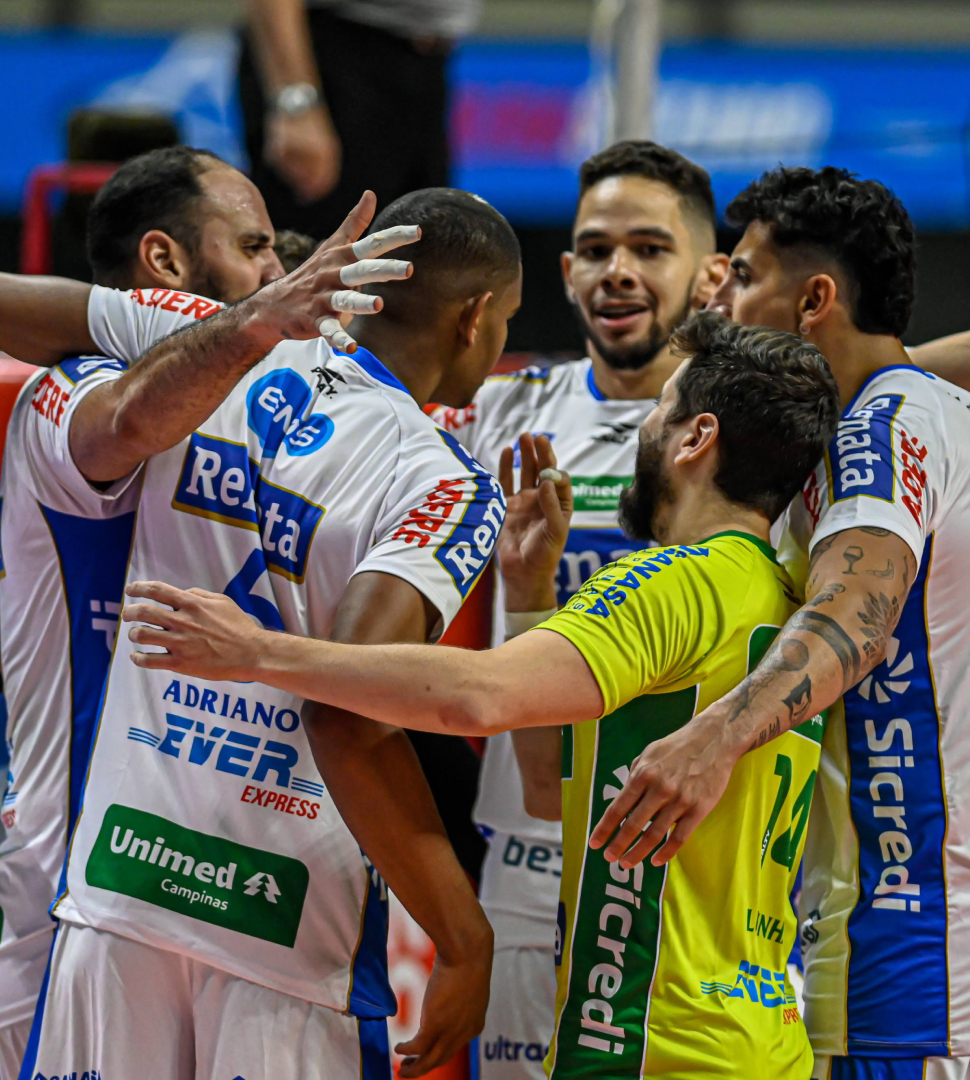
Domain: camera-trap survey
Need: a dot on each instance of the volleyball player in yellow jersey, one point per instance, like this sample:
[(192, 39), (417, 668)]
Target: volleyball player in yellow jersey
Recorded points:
[(677, 971)]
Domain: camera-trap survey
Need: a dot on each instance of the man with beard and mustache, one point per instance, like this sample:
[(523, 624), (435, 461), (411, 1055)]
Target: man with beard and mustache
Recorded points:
[(646, 960), (643, 257), (168, 221)]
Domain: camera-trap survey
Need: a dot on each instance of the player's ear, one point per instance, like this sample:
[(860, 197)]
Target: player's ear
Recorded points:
[(712, 271), (470, 318), (698, 440), (819, 298), (163, 259), (566, 263)]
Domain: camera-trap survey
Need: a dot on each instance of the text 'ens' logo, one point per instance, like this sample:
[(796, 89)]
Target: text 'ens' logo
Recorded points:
[(276, 404)]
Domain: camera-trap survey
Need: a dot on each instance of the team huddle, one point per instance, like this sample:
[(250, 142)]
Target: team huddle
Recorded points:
[(724, 698)]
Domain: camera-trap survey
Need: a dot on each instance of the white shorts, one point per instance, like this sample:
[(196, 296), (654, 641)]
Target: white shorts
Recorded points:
[(116, 1008), (521, 1015), (858, 1068), (13, 1045), (22, 965)]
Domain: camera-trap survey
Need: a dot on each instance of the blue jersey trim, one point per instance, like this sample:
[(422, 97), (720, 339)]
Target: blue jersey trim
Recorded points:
[(854, 404), (371, 996), (593, 388), (33, 1041), (375, 1050), (93, 556), (898, 983), (368, 362)]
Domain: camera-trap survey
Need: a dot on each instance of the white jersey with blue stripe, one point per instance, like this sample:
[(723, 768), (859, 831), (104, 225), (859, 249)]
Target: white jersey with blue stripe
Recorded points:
[(595, 439), (206, 827), (886, 898), (64, 547)]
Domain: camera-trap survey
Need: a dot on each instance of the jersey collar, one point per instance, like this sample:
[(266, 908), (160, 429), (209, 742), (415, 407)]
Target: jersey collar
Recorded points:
[(851, 407), (368, 362), (765, 548), (598, 394)]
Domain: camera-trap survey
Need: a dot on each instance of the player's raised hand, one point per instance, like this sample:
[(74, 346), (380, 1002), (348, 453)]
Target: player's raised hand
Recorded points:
[(309, 301), (206, 634), (452, 1013), (536, 524)]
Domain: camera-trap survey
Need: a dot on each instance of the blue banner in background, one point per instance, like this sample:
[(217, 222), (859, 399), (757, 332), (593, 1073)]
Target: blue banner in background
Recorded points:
[(525, 114)]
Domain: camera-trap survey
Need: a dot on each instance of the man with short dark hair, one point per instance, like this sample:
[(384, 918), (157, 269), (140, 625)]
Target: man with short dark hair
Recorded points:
[(322, 499), (67, 525), (662, 974), (643, 257), (881, 532)]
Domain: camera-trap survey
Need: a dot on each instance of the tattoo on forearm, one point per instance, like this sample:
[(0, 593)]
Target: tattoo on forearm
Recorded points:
[(851, 555), (772, 731), (889, 572), (799, 701), (825, 627), (872, 530), (877, 622)]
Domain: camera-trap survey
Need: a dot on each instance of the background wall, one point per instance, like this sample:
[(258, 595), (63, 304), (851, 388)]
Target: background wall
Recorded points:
[(877, 86)]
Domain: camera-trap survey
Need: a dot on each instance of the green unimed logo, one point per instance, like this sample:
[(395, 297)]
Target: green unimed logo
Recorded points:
[(253, 892), (599, 492)]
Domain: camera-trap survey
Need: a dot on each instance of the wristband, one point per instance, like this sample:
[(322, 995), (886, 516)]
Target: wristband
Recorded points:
[(517, 622), (296, 99)]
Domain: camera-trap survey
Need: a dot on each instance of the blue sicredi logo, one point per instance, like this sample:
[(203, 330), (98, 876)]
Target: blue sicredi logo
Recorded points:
[(221, 482), (276, 404), (861, 454)]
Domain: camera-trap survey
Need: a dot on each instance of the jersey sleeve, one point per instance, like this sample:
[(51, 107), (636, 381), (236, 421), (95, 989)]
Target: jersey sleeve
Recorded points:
[(885, 468), (440, 521), (645, 621), (127, 324), (41, 439)]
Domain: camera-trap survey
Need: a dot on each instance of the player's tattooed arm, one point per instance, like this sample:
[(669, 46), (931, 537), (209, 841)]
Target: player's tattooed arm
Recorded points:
[(859, 580)]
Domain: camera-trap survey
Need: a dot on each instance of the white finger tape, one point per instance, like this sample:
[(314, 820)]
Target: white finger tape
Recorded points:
[(551, 474), (334, 334), (353, 302), (367, 270), (385, 240)]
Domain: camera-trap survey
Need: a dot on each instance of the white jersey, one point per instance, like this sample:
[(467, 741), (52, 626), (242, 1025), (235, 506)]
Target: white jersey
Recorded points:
[(206, 827), (64, 546), (886, 897), (595, 439)]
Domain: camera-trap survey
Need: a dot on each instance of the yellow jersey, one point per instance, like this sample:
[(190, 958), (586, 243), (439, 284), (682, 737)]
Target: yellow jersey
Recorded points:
[(680, 971)]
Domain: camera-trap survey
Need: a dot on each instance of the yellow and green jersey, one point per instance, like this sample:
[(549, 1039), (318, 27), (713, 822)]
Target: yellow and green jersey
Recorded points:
[(680, 971)]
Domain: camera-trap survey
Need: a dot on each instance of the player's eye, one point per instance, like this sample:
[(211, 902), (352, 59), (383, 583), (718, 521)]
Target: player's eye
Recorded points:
[(596, 252), (650, 251)]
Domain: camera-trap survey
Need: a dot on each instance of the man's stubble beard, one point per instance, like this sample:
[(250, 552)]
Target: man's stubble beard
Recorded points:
[(650, 491), (637, 356)]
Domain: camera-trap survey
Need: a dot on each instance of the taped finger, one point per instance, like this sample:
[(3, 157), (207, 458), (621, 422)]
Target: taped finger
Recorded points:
[(385, 240), (367, 270), (335, 335), (354, 303)]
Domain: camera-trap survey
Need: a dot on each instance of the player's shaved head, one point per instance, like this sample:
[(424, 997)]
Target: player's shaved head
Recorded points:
[(466, 248)]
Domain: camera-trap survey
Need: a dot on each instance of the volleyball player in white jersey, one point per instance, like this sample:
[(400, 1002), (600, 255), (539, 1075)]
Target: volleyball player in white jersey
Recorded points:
[(172, 219), (642, 259), (885, 520), (307, 977)]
